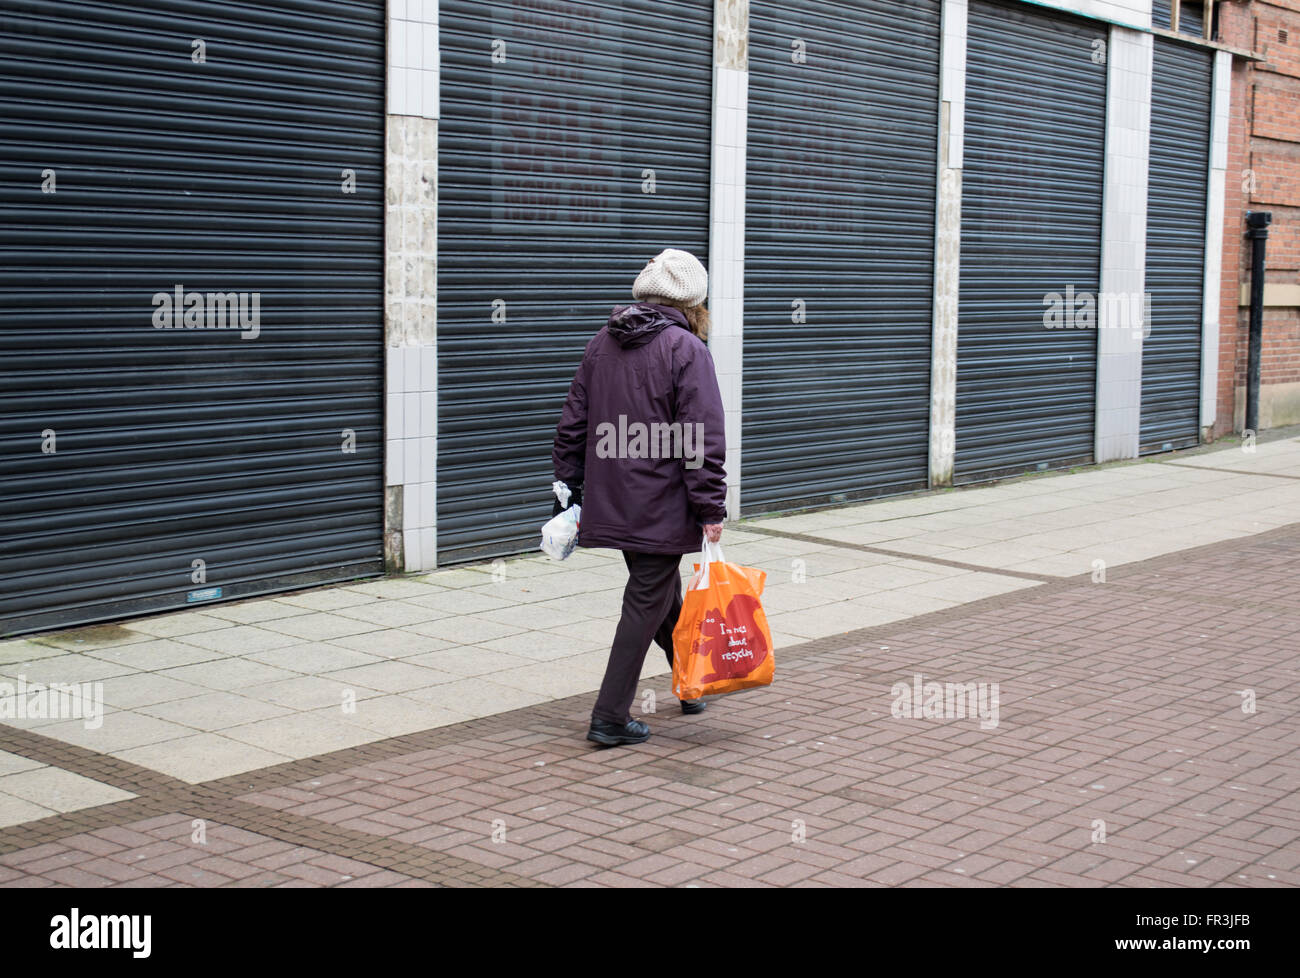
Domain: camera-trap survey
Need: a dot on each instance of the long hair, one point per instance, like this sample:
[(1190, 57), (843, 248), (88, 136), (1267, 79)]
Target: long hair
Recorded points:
[(697, 317)]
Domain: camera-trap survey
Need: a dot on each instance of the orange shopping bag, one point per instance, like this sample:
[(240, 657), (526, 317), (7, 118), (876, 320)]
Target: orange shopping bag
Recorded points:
[(721, 642)]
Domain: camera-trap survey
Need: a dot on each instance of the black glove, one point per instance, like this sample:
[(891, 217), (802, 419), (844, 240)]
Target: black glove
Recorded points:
[(575, 499)]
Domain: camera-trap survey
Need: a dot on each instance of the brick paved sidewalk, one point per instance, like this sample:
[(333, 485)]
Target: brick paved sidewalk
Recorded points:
[(1122, 755)]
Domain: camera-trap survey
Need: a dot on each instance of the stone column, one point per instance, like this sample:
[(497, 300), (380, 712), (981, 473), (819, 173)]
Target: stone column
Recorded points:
[(947, 243), (410, 286)]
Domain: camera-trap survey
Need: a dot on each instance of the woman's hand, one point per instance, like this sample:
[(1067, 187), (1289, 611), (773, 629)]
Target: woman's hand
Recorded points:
[(713, 532), (575, 499)]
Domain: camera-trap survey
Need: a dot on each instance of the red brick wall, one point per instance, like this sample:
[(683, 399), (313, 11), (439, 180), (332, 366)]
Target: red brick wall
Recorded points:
[(1263, 174)]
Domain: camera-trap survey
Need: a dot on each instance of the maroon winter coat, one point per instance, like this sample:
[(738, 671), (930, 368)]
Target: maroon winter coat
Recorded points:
[(644, 374)]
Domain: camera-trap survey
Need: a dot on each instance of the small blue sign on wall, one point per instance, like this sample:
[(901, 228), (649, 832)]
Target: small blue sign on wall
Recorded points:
[(206, 594)]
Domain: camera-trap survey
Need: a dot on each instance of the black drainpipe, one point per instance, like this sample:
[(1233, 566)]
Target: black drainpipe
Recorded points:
[(1258, 222)]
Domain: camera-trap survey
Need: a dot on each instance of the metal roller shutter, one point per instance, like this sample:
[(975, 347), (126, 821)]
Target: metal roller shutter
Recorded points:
[(839, 232), (1031, 227), (132, 452), (1191, 18), (552, 118), (1180, 159)]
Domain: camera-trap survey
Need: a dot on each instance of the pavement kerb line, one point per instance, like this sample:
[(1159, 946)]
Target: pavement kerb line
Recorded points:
[(1211, 468), (158, 794), (87, 763), (887, 552)]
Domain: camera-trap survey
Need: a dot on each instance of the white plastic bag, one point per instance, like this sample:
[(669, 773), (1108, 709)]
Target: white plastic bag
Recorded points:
[(710, 553), (560, 534)]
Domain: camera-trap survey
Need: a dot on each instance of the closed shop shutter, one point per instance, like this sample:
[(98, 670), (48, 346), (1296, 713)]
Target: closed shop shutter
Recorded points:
[(1180, 148), (150, 147), (1031, 231), (573, 146), (839, 250), (1191, 17)]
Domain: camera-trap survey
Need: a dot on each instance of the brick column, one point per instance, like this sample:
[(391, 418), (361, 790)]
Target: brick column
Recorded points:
[(410, 285), (1237, 27)]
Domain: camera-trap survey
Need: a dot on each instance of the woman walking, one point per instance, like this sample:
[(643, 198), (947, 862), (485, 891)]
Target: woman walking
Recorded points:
[(641, 442)]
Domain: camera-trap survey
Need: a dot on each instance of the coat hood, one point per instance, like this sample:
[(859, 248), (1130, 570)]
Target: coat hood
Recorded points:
[(639, 323)]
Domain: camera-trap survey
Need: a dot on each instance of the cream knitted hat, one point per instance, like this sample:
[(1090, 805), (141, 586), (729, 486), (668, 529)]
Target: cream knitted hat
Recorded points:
[(674, 275)]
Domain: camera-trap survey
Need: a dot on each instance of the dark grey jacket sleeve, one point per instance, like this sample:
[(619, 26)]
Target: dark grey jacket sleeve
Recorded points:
[(699, 404)]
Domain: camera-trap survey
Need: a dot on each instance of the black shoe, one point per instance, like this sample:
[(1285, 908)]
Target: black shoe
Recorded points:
[(612, 734), (692, 706)]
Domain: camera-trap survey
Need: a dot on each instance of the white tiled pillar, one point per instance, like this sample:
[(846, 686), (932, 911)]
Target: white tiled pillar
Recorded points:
[(1120, 324), (410, 286), (727, 221), (1214, 215), (947, 243)]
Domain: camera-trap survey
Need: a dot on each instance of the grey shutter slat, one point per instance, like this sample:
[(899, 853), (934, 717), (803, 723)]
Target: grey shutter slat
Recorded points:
[(182, 445), (1031, 226), (540, 163), (1191, 19), (1175, 253), (840, 203)]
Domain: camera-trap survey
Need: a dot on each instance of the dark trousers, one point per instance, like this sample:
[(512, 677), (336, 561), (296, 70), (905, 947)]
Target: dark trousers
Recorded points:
[(652, 602)]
